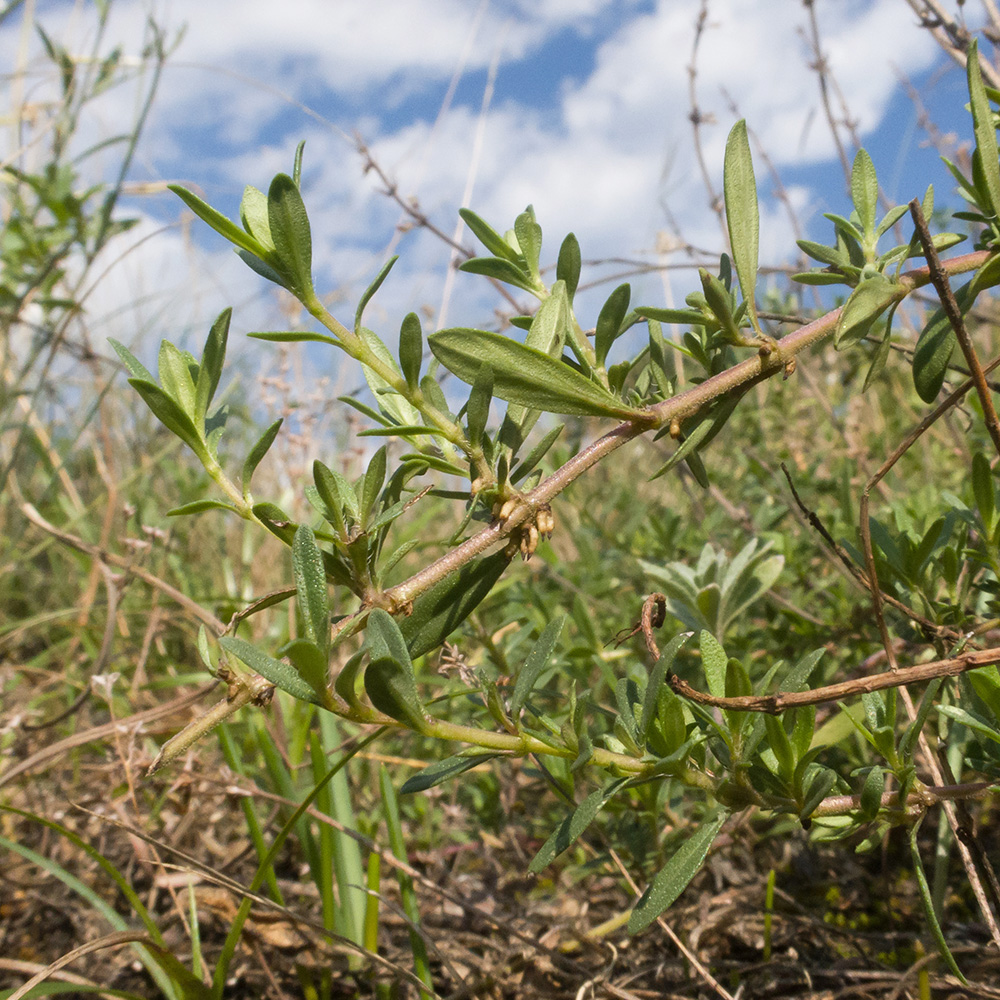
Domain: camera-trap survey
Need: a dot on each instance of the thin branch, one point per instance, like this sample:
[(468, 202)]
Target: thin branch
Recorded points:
[(954, 314), (686, 404), (774, 704)]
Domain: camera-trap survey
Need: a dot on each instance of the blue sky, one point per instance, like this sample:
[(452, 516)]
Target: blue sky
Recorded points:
[(588, 121)]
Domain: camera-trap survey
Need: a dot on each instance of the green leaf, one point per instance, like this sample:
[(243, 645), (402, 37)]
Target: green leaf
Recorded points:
[(720, 302), (170, 415), (931, 356), (864, 191), (984, 490), (918, 867), (411, 349), (346, 681), (223, 226), (536, 454), (550, 323), (253, 215), (286, 213), (868, 301), (132, 364), (440, 610), (524, 375), (311, 663), (675, 875), (499, 270), (986, 136), (988, 276), (568, 264), (871, 794), (780, 745), (337, 493), (538, 660), (198, 506), (683, 317), (657, 676), (529, 239), (212, 359), (373, 482), (833, 256), (742, 215), (441, 771), (294, 337), (478, 410), (371, 290), (262, 268), (257, 453), (488, 236), (389, 679), (282, 675), (175, 377), (400, 409), (892, 217), (573, 826), (310, 584), (715, 662), (609, 322)]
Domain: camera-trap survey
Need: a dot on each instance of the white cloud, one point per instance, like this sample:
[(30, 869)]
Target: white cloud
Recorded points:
[(616, 144)]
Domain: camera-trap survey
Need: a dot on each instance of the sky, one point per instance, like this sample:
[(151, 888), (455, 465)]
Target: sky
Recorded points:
[(578, 107)]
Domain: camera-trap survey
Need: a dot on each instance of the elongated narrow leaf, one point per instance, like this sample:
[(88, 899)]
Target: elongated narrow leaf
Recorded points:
[(524, 375), (253, 215), (500, 270), (529, 239), (392, 690), (411, 349), (868, 301), (198, 506), (176, 377), (398, 408), (742, 214), (478, 409), (310, 584), (926, 897), (222, 225), (609, 322), (656, 678), (373, 482), (286, 213), (488, 236), (257, 453), (437, 773), (169, 414), (864, 191), (372, 289), (548, 329), (538, 660), (311, 664), (673, 878), (262, 268), (439, 611), (573, 826), (536, 454), (282, 675), (714, 661), (685, 317), (212, 360), (568, 264), (294, 337), (932, 354), (132, 364), (986, 136)]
